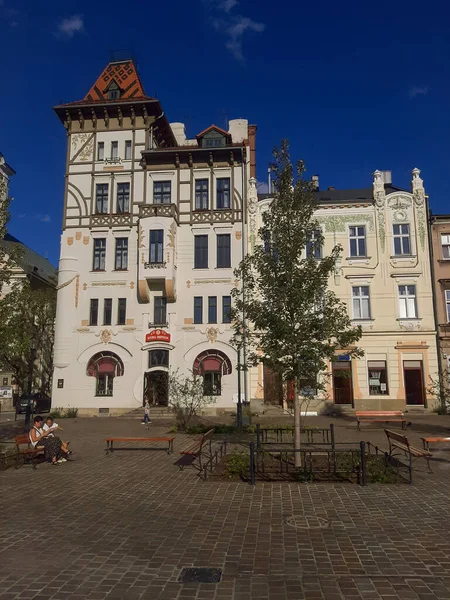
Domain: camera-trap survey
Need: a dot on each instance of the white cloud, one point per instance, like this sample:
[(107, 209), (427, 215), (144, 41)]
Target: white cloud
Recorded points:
[(418, 91), (70, 26), (44, 218), (232, 26)]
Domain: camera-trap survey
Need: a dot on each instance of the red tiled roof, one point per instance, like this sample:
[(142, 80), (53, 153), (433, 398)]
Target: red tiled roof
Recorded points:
[(220, 130), (125, 75)]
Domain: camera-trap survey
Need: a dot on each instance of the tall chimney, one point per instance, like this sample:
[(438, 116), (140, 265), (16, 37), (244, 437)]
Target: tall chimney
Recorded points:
[(252, 144), (386, 176)]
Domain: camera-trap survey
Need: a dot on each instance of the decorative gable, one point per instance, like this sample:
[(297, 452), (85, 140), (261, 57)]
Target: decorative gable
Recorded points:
[(119, 81), (213, 137)]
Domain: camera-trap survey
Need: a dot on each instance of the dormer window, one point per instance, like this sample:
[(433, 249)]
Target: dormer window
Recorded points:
[(113, 91), (213, 137)]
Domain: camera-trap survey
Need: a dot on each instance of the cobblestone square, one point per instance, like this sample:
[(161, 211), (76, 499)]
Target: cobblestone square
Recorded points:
[(126, 524)]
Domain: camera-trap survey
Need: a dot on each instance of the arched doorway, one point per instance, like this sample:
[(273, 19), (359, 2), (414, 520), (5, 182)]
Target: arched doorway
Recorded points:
[(105, 366), (212, 365), (156, 379)]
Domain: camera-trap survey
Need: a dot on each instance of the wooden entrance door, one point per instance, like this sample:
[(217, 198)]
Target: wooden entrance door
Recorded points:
[(156, 388), (342, 382), (414, 388)]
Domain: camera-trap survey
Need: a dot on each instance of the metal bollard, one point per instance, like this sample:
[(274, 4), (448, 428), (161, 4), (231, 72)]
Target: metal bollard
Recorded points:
[(363, 463), (252, 463)]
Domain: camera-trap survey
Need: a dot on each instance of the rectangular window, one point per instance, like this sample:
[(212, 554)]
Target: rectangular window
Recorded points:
[(361, 302), (223, 192), (123, 198), (378, 381), (99, 254), (226, 309), (402, 244), (101, 151), (407, 301), (104, 385), (122, 311), (101, 198), (121, 261), (223, 251), (212, 385), (162, 192), (201, 194), (447, 305), (114, 150), (445, 241), (201, 252), (93, 312), (313, 248), (107, 311), (128, 150), (160, 313), (357, 240), (198, 309), (156, 246), (212, 309)]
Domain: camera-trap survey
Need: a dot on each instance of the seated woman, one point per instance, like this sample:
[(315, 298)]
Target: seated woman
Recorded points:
[(51, 445), (50, 424)]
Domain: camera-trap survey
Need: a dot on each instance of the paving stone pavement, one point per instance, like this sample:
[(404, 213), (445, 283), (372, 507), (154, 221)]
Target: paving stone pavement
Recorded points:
[(124, 525)]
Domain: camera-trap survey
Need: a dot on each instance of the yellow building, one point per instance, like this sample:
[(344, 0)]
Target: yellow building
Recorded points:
[(384, 278)]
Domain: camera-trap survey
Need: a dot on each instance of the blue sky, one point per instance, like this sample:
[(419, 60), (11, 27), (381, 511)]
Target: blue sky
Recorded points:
[(355, 86)]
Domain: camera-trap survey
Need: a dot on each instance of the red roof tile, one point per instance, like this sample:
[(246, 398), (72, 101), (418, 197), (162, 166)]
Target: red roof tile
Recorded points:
[(125, 75), (213, 127)]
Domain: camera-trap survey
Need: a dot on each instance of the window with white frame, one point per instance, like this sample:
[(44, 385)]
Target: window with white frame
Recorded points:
[(361, 302), (402, 242), (201, 194), (162, 192), (114, 150), (407, 301), (447, 304), (445, 242), (101, 151), (357, 235), (128, 150)]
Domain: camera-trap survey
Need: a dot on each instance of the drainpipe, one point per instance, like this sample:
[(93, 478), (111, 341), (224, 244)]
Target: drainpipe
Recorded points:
[(434, 291)]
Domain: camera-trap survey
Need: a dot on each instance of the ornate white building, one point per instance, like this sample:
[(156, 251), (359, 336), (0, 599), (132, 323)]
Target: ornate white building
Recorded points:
[(152, 229), (384, 277)]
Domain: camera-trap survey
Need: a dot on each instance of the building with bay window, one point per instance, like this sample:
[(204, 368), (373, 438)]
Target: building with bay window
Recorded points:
[(384, 278), (152, 229)]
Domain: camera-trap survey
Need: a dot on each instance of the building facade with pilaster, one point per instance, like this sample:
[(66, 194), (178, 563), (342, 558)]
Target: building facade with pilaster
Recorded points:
[(153, 227), (384, 278)]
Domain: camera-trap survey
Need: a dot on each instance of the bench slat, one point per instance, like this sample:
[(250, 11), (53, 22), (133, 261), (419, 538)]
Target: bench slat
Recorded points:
[(379, 413), (146, 439)]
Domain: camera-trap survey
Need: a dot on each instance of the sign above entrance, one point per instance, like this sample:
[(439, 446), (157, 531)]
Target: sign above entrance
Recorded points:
[(157, 335)]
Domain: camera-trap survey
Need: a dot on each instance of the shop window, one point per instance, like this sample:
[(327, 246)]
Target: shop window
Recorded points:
[(378, 379)]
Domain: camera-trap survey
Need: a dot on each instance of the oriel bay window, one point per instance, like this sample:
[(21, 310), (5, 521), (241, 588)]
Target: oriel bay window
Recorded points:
[(123, 198), (378, 381), (101, 198), (121, 259), (223, 192), (160, 311), (162, 192), (156, 246), (121, 311), (99, 254), (201, 194), (223, 251)]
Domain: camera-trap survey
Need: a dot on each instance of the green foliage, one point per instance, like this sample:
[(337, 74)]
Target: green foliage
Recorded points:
[(221, 428), (296, 323), (186, 397), (64, 413), (27, 333), (71, 412), (57, 413), (378, 472), (440, 388), (238, 464)]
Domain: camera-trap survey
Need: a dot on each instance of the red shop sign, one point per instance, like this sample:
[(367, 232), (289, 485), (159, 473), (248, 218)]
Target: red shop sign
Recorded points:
[(157, 335)]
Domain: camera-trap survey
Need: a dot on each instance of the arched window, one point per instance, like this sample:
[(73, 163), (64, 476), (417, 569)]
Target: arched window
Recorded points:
[(211, 365), (104, 366)]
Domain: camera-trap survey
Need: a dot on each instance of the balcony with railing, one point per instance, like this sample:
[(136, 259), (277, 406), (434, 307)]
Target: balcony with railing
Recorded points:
[(159, 210)]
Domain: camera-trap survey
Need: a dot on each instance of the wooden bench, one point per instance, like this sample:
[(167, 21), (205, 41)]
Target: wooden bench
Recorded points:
[(195, 450), (26, 450), (110, 440), (380, 416), (434, 440), (398, 441)]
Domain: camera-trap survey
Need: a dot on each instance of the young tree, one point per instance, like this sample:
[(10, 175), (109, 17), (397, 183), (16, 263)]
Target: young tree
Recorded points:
[(27, 333), (288, 317), (186, 396)]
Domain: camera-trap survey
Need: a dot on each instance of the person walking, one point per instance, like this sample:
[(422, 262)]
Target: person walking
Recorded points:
[(146, 413)]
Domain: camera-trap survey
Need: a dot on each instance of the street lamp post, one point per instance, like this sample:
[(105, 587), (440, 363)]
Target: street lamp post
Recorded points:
[(239, 401)]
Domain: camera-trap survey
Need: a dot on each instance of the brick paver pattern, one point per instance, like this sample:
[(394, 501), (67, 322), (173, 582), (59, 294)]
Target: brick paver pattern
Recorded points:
[(124, 525)]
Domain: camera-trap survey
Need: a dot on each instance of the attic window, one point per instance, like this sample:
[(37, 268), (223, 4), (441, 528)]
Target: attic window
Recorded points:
[(113, 91), (213, 139)]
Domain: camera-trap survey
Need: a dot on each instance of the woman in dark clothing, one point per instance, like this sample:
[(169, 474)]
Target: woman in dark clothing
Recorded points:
[(51, 445)]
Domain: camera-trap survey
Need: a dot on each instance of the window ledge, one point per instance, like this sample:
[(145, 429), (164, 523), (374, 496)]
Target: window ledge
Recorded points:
[(368, 320), (443, 260), (358, 258), (98, 271), (409, 319), (120, 270), (404, 257)]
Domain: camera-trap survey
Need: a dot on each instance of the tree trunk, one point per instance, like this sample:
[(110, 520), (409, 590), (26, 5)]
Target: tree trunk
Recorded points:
[(297, 422)]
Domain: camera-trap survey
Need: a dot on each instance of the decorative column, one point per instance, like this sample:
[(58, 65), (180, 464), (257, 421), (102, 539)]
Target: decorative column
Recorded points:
[(418, 193), (252, 210), (379, 195)]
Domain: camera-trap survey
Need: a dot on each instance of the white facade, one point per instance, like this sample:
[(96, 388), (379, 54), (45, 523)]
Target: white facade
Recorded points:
[(105, 152)]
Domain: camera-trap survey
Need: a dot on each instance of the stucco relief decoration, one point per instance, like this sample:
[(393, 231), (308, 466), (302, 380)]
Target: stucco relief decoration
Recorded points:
[(335, 224), (188, 284), (171, 236), (409, 325), (252, 209), (3, 187), (379, 195), (86, 240), (105, 336), (400, 205), (83, 144), (211, 333), (66, 283), (84, 287), (132, 285), (419, 200), (77, 290)]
